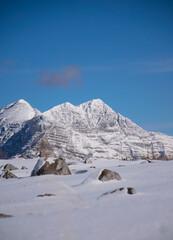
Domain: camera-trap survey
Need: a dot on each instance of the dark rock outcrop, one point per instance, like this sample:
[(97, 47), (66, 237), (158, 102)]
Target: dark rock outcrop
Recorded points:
[(107, 175), (58, 167)]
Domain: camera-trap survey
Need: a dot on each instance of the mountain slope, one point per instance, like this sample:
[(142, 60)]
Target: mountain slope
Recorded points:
[(90, 129), (13, 117)]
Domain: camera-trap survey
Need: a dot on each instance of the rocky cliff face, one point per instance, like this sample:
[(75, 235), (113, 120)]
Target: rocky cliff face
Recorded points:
[(90, 129)]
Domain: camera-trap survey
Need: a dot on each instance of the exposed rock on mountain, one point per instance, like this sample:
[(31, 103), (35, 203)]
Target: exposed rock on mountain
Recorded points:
[(90, 129)]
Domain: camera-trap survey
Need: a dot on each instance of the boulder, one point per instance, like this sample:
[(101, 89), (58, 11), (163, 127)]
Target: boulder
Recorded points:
[(38, 165), (107, 175), (9, 174), (9, 167), (58, 167), (23, 167), (131, 190)]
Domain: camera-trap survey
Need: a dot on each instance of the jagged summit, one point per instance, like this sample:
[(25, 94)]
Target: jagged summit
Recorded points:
[(89, 129)]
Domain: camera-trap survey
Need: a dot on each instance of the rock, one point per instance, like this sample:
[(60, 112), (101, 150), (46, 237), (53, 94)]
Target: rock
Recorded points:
[(46, 195), (58, 167), (2, 215), (9, 174), (23, 167), (131, 190), (22, 156), (9, 167), (38, 165), (87, 161), (107, 175)]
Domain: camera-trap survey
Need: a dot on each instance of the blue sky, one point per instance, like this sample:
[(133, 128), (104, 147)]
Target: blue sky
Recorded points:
[(74, 51)]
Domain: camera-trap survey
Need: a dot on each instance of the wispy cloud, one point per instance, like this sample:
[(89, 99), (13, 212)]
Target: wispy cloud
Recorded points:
[(161, 66), (67, 76), (101, 68), (7, 64), (146, 67)]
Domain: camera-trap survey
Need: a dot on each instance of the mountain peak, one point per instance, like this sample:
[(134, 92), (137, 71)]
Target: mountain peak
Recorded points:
[(22, 101), (93, 101), (97, 100), (17, 112), (95, 106)]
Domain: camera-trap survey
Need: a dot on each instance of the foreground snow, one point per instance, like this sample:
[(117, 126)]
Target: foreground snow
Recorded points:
[(80, 211)]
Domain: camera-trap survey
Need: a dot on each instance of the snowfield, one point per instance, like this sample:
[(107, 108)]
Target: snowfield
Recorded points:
[(79, 209)]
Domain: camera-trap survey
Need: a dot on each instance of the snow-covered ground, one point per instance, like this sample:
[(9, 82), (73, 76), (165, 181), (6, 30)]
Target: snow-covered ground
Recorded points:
[(79, 211)]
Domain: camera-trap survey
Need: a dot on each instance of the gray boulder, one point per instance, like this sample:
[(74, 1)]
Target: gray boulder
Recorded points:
[(9, 167), (9, 174), (131, 190), (107, 175), (58, 167)]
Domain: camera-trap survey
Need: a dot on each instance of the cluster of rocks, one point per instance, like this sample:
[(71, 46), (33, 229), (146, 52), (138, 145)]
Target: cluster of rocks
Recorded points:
[(7, 168), (107, 175), (59, 167)]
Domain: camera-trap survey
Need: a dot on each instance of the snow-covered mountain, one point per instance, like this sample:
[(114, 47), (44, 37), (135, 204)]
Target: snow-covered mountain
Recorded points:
[(13, 117), (90, 129)]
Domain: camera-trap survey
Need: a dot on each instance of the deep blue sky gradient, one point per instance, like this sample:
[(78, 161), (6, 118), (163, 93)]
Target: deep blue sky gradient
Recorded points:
[(124, 50)]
